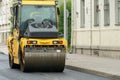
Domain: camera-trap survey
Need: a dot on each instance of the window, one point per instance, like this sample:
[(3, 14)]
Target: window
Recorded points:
[(39, 13), (117, 11), (96, 13), (106, 12), (38, 18), (82, 13)]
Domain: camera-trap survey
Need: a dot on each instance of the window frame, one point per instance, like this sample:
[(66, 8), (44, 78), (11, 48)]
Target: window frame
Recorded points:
[(82, 14), (106, 12), (117, 18), (96, 13)]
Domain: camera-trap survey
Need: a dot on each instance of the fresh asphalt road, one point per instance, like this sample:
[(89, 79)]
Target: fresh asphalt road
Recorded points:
[(14, 74)]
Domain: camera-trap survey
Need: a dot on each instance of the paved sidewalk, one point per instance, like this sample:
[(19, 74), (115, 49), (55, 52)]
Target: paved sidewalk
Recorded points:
[(96, 65), (89, 64)]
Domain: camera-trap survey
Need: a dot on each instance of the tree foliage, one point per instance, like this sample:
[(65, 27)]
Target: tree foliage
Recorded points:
[(11, 20), (61, 20)]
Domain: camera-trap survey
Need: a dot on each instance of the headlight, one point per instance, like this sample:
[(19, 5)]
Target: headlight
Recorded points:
[(55, 42), (58, 42), (31, 42)]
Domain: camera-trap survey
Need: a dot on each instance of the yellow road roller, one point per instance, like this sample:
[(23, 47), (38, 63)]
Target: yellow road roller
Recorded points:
[(35, 43)]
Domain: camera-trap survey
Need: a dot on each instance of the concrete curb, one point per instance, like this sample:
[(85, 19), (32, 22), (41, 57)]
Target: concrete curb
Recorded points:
[(94, 72)]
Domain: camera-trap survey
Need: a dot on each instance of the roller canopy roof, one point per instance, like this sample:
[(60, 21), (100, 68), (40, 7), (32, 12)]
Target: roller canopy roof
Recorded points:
[(39, 2)]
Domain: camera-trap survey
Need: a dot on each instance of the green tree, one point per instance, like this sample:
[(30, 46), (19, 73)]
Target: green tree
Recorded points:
[(61, 20), (11, 20), (69, 22)]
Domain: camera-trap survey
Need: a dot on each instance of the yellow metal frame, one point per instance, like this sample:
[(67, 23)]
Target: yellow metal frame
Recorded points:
[(40, 2), (13, 48), (42, 42)]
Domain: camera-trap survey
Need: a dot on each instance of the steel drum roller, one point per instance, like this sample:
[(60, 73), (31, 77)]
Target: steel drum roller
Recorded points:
[(45, 61)]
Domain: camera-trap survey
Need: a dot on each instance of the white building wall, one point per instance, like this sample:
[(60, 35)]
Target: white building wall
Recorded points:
[(75, 16), (0, 37), (4, 20), (101, 40), (95, 30)]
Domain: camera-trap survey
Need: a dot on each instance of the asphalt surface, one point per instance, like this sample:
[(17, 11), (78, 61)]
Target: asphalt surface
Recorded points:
[(14, 74)]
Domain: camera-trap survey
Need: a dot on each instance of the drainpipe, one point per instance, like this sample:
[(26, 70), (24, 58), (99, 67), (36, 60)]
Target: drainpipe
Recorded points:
[(65, 21), (71, 51)]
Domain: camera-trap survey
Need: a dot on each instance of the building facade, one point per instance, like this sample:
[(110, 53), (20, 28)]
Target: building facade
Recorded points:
[(96, 27), (4, 20)]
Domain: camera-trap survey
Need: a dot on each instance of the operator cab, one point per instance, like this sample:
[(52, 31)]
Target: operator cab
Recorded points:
[(36, 21)]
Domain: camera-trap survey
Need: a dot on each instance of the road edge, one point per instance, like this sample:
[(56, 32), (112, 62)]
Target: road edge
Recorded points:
[(94, 72)]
